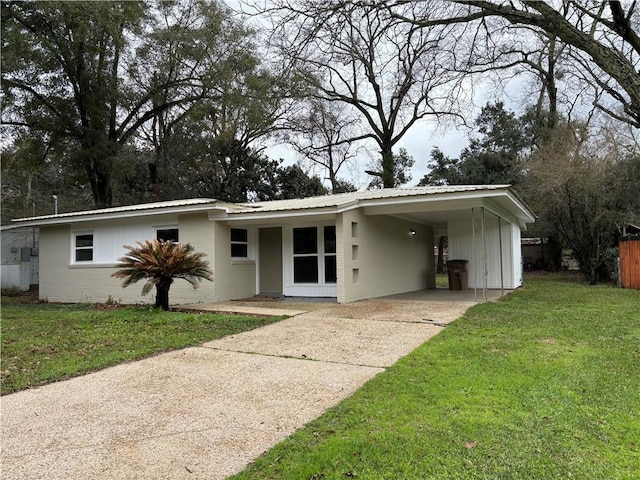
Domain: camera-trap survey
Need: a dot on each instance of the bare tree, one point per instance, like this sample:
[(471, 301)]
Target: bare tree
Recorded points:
[(389, 73), (319, 135), (585, 192), (241, 100), (601, 37)]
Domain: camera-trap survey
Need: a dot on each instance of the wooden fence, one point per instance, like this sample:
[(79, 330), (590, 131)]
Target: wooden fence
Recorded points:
[(630, 262)]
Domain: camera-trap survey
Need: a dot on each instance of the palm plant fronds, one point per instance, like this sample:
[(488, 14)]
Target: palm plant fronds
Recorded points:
[(160, 263)]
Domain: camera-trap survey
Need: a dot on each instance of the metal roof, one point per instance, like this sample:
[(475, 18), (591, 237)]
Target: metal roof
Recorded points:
[(342, 199), (334, 203)]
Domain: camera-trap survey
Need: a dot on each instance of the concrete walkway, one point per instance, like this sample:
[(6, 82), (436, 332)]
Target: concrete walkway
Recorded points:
[(206, 412)]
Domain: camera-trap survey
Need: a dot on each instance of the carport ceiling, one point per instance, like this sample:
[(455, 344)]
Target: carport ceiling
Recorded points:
[(437, 220), (434, 214)]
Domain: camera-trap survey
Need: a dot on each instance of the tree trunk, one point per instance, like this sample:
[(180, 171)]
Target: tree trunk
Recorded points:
[(154, 179), (388, 168), (554, 261), (162, 295), (96, 154), (101, 188)]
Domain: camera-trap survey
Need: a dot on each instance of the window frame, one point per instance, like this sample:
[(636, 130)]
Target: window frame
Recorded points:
[(75, 248), (166, 228), (306, 254), (321, 255), (244, 243), (331, 256)]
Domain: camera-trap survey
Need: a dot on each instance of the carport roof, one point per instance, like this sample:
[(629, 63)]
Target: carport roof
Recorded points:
[(411, 198)]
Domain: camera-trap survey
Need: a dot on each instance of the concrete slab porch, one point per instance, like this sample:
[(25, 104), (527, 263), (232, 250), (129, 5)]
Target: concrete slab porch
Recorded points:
[(292, 306)]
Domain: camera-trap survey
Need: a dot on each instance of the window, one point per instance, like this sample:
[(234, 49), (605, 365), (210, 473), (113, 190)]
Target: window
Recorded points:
[(167, 234), (239, 243), (330, 267), (305, 255), (84, 247), (305, 241), (314, 255)]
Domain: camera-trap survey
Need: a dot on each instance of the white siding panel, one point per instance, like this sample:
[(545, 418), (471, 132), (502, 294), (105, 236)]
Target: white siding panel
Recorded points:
[(109, 238), (10, 275), (461, 247), (516, 249), (493, 251), (461, 244), (109, 242)]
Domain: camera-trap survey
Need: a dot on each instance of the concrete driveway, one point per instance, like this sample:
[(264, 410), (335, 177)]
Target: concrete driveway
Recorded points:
[(206, 412)]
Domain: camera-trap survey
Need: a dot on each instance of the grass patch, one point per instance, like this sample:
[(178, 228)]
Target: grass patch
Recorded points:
[(442, 280), (544, 384), (43, 343)]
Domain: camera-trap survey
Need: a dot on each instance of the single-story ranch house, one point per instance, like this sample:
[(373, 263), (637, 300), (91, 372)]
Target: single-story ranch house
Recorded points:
[(349, 246)]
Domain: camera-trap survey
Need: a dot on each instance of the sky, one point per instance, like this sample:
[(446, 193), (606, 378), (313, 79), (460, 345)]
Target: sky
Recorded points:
[(419, 141), (423, 137)]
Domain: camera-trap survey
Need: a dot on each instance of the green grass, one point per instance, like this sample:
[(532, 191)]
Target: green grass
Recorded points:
[(442, 280), (43, 343), (542, 385)]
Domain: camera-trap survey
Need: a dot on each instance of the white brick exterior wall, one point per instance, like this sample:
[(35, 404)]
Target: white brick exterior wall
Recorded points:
[(62, 281), (388, 258)]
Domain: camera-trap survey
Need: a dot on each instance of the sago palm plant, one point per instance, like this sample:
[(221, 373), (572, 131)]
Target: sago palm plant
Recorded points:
[(160, 263)]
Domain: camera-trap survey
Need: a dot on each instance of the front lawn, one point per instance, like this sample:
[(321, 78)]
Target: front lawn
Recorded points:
[(43, 343), (542, 385)]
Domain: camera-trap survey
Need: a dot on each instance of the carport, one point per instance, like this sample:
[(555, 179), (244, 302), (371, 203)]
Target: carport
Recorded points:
[(483, 226)]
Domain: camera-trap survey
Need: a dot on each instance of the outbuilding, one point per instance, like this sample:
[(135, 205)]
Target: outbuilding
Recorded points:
[(348, 246)]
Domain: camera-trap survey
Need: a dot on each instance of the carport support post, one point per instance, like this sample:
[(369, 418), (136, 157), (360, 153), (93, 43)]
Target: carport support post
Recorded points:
[(473, 254), (484, 259), (501, 260)]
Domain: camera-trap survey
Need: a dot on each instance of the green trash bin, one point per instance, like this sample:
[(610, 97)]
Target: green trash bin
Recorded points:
[(458, 274)]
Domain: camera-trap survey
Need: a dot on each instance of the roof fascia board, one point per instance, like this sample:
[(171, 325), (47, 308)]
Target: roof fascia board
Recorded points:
[(260, 217), (347, 206), (420, 207), (528, 215), (434, 197), (501, 212), (151, 212), (379, 206), (522, 215)]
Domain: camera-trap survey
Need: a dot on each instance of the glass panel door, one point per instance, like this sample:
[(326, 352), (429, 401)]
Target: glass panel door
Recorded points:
[(314, 255), (305, 255), (330, 267)]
